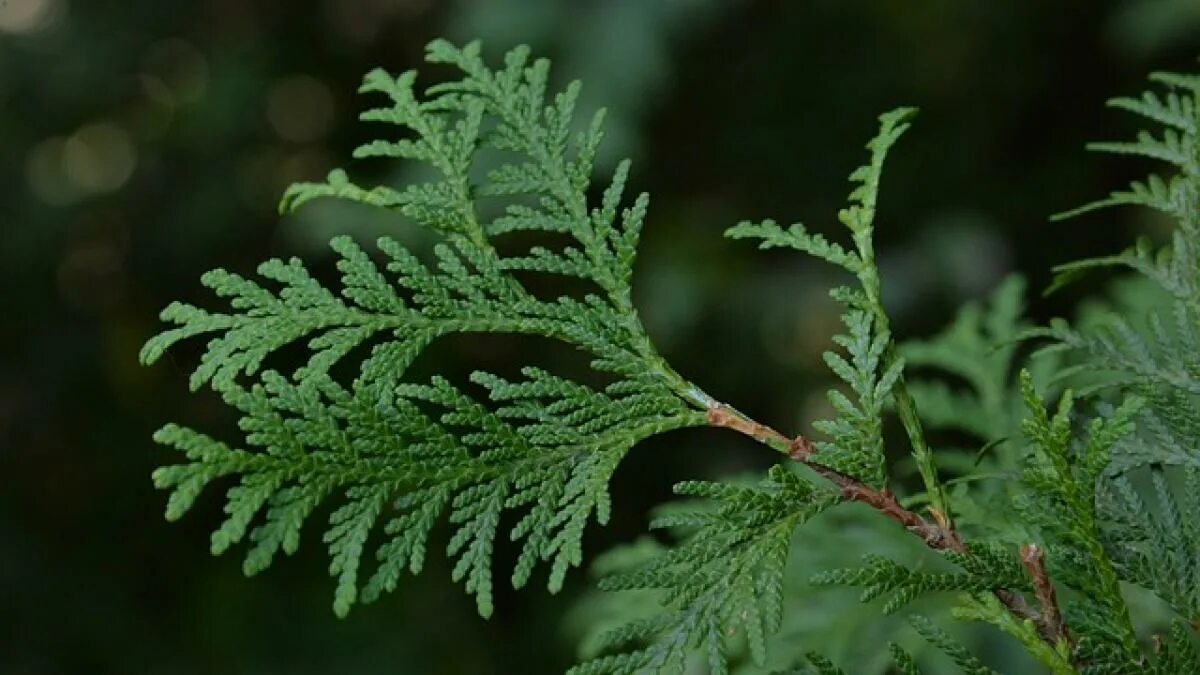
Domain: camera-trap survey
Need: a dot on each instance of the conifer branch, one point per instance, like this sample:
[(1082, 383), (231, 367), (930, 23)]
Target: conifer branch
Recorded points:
[(801, 449), (531, 458), (877, 361), (938, 535)]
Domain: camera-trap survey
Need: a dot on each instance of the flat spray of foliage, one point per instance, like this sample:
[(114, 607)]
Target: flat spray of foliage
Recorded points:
[(1098, 494)]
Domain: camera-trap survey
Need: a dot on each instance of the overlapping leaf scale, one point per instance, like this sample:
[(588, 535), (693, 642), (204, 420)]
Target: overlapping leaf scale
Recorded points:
[(1177, 111), (986, 567), (967, 662), (797, 237), (855, 445), (548, 452), (445, 138), (1163, 353), (723, 584), (1156, 545), (978, 347), (467, 291), (1061, 476)]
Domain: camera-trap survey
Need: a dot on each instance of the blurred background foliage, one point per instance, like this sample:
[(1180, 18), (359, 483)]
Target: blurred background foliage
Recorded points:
[(144, 142)]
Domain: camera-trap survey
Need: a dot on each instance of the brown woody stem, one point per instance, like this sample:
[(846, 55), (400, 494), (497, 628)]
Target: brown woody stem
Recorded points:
[(1050, 621), (938, 535)]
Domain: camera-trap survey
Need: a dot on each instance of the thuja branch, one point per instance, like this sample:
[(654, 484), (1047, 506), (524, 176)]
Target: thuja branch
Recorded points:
[(906, 408), (938, 535)]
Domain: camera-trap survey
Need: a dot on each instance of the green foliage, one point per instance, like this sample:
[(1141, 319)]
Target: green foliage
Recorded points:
[(872, 371), (1061, 476), (1156, 547), (549, 450), (980, 570), (1034, 535), (952, 648), (815, 616), (904, 662), (1178, 652), (979, 350), (724, 581), (858, 216), (822, 665), (965, 384), (1149, 352), (798, 238), (1075, 499), (857, 448), (550, 447), (1157, 359), (1176, 112)]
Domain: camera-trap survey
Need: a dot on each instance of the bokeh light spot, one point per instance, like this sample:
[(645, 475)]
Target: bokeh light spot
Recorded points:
[(99, 158), (29, 16), (46, 173)]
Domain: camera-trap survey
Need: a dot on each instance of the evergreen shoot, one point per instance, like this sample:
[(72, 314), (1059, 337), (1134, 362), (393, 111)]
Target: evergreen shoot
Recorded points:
[(1081, 481)]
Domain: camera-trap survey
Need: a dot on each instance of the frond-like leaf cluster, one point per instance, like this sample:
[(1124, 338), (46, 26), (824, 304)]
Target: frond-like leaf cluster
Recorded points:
[(985, 568), (855, 447), (725, 581), (904, 662), (546, 453), (723, 584), (771, 235), (1061, 475), (1150, 354), (966, 383), (967, 662), (1153, 354), (1176, 111), (855, 443), (1156, 543), (410, 454), (978, 349), (1099, 503)]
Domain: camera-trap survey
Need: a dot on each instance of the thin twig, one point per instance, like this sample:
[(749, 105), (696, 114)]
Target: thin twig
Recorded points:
[(1050, 622), (933, 534), (938, 535), (722, 415)]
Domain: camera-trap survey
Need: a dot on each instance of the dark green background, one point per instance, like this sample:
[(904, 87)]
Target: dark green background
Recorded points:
[(144, 142)]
